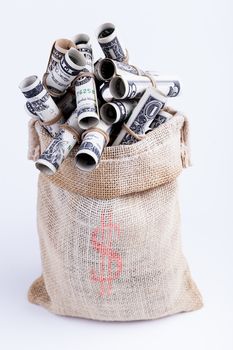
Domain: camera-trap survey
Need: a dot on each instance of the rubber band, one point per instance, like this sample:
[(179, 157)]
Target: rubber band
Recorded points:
[(153, 81), (132, 133), (51, 121), (105, 135), (50, 90)]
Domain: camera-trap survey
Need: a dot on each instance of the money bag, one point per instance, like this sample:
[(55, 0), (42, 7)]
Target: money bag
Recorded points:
[(110, 239)]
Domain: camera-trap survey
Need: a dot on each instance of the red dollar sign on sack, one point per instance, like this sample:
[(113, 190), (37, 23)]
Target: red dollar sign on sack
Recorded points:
[(104, 247)]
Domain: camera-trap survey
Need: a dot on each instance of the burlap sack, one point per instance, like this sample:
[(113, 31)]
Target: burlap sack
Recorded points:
[(110, 239)]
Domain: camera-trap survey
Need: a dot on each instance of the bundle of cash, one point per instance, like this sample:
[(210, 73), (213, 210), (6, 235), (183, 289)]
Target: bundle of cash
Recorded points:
[(116, 111), (131, 87), (109, 42), (104, 93), (59, 49), (106, 69), (90, 105), (62, 75), (81, 39), (41, 103), (92, 146), (66, 104), (142, 116), (58, 150), (85, 89), (30, 111)]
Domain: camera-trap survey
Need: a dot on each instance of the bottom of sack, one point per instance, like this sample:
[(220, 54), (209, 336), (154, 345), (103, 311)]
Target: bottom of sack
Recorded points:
[(37, 294)]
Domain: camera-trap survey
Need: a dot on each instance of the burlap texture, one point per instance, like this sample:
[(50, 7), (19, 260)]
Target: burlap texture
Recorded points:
[(110, 240)]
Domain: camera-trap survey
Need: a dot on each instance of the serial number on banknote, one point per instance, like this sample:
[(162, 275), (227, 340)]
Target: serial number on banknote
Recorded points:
[(85, 91)]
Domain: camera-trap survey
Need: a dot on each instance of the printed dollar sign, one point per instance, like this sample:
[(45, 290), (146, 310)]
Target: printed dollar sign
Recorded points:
[(104, 247)]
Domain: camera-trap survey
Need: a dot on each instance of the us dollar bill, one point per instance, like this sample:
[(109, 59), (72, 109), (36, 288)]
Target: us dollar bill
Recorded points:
[(106, 69), (67, 103), (116, 111), (59, 148), (85, 89), (60, 47), (142, 116), (91, 148), (104, 93), (133, 86), (41, 102), (71, 64), (125, 87), (109, 42), (169, 85), (160, 118), (81, 39), (30, 111)]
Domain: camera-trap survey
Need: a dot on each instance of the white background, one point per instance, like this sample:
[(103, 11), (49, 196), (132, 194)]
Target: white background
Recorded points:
[(192, 39)]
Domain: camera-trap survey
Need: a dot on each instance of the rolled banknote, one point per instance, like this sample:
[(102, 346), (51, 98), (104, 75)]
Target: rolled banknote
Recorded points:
[(85, 89), (115, 111), (169, 85), (123, 88), (81, 39), (142, 116), (133, 86), (67, 103), (109, 42), (58, 150), (60, 47), (71, 64), (30, 111), (41, 102), (104, 93), (92, 146), (160, 118), (96, 69), (106, 69)]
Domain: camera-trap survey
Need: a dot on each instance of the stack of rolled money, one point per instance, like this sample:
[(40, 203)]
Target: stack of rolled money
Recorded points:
[(93, 105)]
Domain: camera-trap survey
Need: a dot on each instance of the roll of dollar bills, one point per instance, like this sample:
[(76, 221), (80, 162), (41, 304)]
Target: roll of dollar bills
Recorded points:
[(109, 42), (133, 86), (169, 85), (96, 69), (85, 89), (92, 146), (60, 47), (104, 93), (115, 111), (57, 151), (67, 103), (123, 87), (81, 39), (30, 111), (41, 102), (142, 116), (71, 64), (107, 68)]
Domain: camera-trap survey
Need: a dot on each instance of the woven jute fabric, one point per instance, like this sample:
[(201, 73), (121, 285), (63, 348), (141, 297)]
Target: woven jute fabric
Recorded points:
[(110, 239)]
